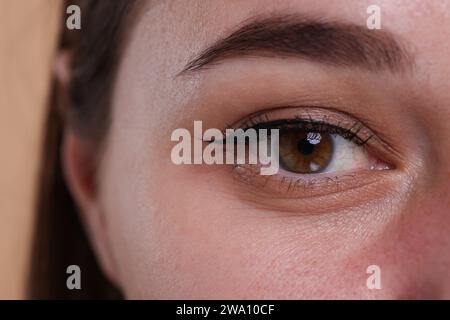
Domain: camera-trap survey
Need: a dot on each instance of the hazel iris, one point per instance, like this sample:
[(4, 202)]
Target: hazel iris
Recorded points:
[(304, 151)]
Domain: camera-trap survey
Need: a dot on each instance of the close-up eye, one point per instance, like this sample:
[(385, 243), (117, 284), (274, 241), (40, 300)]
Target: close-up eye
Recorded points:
[(323, 150), (319, 150)]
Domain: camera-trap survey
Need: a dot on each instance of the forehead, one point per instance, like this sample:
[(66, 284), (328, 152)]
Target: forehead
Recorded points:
[(171, 33), (217, 16), (192, 25)]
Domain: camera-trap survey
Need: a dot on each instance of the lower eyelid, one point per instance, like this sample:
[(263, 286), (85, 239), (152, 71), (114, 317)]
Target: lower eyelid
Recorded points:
[(316, 197), (374, 192), (286, 185)]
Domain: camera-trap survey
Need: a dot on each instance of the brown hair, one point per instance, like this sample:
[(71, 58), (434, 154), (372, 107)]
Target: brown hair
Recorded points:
[(59, 239)]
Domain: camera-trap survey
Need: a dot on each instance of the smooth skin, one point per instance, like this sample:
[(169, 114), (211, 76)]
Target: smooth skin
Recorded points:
[(166, 231)]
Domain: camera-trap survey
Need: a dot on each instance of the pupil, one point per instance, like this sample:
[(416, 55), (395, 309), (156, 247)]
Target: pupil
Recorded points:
[(305, 148)]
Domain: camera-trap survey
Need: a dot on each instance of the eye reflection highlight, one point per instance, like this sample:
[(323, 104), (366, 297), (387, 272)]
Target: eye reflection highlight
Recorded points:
[(321, 151)]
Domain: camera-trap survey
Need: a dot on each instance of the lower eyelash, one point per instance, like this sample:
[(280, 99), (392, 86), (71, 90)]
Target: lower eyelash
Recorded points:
[(299, 187)]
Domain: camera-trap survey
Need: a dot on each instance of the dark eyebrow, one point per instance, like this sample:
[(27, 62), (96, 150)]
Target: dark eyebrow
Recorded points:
[(333, 43)]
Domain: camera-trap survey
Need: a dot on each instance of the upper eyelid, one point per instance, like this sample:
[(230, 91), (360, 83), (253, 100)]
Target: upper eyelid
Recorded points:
[(349, 129), (348, 133), (326, 115)]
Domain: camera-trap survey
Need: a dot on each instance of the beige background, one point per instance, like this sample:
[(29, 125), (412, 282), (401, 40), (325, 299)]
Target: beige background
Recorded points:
[(28, 30)]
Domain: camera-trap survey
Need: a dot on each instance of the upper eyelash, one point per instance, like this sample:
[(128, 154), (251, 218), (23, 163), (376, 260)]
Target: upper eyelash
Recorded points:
[(262, 122), (351, 133)]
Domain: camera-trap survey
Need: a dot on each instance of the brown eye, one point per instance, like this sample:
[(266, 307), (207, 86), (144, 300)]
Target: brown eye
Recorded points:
[(305, 152)]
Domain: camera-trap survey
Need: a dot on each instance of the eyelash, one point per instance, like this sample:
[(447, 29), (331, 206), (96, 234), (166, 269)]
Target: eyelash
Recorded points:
[(350, 133), (342, 125)]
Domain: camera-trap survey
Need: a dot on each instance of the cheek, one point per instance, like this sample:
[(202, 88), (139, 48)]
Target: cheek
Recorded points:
[(181, 232), (178, 232)]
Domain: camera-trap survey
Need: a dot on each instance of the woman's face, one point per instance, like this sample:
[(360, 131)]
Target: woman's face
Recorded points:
[(222, 231)]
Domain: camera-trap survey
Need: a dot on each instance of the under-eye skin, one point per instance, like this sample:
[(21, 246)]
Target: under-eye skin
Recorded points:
[(320, 152)]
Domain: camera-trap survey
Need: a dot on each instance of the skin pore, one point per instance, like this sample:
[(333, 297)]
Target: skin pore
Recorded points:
[(218, 232)]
